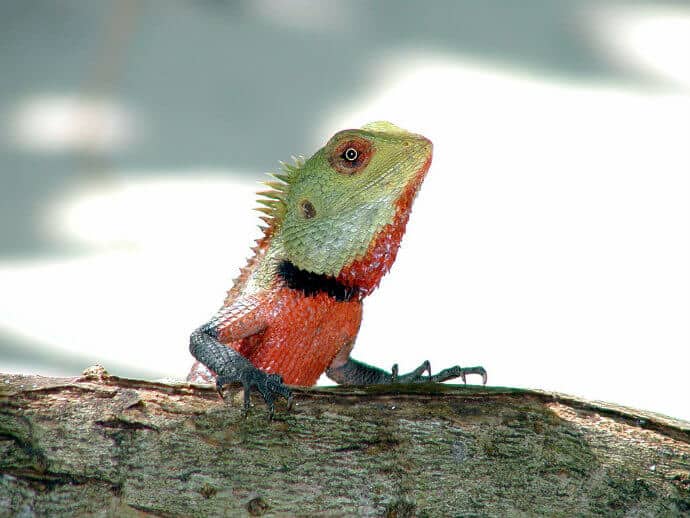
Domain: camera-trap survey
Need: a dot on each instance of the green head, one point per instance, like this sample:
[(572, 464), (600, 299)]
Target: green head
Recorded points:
[(329, 209)]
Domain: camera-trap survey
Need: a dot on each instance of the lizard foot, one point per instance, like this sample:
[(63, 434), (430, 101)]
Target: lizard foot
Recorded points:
[(417, 375), (269, 386)]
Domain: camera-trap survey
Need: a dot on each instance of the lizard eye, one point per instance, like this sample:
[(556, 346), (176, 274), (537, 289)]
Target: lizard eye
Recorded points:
[(351, 156)]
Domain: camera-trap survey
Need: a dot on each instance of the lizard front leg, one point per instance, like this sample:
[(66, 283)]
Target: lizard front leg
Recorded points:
[(345, 370), (229, 365)]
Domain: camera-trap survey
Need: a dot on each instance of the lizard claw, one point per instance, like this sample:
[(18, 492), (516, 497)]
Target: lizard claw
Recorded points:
[(417, 375), (459, 372), (413, 376), (268, 385)]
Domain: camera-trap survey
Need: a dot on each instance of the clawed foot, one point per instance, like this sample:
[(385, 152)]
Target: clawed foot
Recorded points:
[(417, 375), (269, 386)]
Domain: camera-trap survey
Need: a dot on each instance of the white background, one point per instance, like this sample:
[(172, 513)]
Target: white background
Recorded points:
[(550, 242)]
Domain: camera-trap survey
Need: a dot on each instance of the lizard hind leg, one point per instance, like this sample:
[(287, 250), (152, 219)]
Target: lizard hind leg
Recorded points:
[(199, 373), (353, 372), (416, 376)]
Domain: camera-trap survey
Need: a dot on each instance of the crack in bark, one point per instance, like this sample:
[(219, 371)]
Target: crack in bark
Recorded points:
[(122, 424)]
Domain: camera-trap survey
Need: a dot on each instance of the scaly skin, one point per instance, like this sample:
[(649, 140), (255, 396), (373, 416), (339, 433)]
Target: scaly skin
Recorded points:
[(335, 222)]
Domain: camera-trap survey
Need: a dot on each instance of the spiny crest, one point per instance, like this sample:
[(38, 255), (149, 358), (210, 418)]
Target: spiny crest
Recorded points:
[(273, 199)]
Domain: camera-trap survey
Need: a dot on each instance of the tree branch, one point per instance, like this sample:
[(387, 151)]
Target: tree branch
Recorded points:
[(75, 446)]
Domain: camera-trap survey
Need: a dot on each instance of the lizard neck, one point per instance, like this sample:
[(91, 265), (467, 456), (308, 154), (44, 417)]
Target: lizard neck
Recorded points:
[(311, 284)]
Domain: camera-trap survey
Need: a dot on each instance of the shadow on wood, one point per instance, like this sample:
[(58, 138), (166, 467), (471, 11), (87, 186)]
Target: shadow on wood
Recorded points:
[(122, 447)]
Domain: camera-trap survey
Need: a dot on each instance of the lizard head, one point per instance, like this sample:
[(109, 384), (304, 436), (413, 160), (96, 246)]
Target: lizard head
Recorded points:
[(343, 211)]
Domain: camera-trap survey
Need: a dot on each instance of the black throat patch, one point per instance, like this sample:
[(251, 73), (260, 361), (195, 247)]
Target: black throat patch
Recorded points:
[(313, 283)]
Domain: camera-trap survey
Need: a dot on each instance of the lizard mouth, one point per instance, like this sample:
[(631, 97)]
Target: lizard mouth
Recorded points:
[(408, 195), (422, 150), (426, 149)]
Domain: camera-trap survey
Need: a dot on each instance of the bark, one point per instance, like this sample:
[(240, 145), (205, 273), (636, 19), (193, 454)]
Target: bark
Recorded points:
[(108, 446)]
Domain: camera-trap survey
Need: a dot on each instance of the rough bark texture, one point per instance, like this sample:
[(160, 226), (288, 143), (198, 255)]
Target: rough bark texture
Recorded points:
[(108, 446)]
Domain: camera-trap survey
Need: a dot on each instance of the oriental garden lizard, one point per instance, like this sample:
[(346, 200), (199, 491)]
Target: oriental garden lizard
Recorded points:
[(333, 227)]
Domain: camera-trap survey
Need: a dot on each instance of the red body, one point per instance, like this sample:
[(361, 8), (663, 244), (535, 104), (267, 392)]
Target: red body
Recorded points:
[(303, 336)]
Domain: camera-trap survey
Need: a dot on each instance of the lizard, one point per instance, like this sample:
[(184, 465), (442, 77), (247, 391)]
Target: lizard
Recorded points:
[(332, 228)]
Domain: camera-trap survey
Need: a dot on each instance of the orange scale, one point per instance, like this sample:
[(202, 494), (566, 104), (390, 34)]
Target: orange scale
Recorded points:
[(303, 337)]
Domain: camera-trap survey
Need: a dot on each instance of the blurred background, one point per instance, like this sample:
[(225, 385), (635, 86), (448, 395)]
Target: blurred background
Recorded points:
[(550, 242)]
